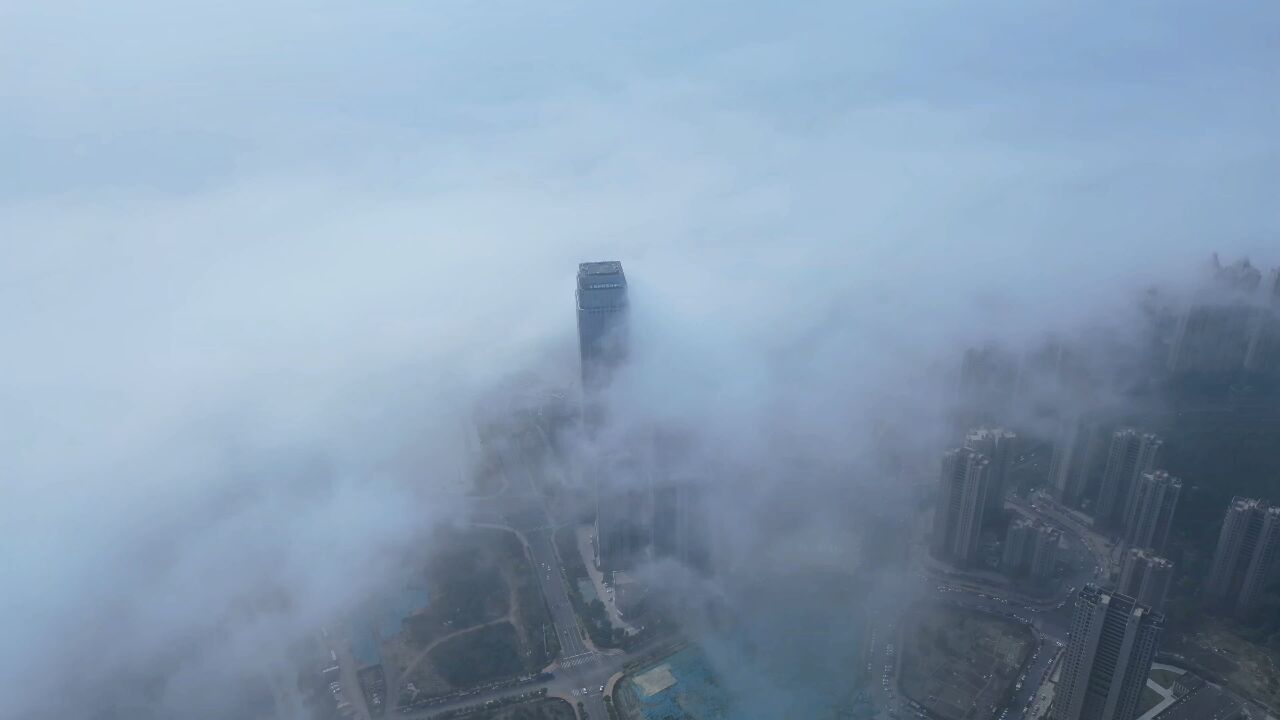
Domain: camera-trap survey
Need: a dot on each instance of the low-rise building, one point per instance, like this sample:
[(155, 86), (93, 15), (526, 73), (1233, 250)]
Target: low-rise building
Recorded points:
[(1206, 702)]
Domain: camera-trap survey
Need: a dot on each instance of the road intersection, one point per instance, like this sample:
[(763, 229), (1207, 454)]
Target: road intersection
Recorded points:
[(582, 673)]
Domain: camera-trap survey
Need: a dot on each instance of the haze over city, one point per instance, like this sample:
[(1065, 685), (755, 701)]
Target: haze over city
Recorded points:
[(292, 315)]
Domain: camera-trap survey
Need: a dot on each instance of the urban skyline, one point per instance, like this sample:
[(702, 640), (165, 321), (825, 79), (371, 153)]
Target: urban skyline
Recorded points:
[(903, 338)]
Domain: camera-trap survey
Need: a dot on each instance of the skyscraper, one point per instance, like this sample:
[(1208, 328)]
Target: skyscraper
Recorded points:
[(1150, 514), (1077, 448), (1105, 667), (602, 321), (1132, 453), (1146, 577), (623, 494), (997, 445), (1246, 556), (957, 521)]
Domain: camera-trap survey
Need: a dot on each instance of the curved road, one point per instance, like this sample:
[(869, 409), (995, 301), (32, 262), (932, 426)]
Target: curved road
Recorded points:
[(1049, 619), (581, 672)]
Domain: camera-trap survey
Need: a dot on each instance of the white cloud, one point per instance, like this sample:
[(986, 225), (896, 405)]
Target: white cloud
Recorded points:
[(247, 244)]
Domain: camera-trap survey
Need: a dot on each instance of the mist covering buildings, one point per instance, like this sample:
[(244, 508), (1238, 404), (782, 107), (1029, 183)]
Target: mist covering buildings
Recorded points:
[(1075, 451), (1231, 325), (1247, 556), (1030, 548), (602, 322), (262, 266), (962, 498), (1145, 577), (1152, 504), (1132, 453), (997, 445)]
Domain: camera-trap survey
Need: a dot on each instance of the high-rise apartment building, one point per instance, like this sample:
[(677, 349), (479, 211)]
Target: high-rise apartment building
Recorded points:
[(1017, 539), (1245, 560), (1150, 513), (1217, 331), (957, 521), (1146, 577), (1105, 667), (1264, 344), (1030, 548), (1132, 453), (1044, 553), (997, 445), (1078, 446), (1213, 338)]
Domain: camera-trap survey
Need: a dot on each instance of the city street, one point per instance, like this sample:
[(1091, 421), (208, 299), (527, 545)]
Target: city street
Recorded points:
[(1049, 626), (581, 671), (1049, 618)]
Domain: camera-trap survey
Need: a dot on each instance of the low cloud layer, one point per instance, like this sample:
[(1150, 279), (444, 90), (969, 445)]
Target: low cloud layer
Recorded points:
[(261, 264)]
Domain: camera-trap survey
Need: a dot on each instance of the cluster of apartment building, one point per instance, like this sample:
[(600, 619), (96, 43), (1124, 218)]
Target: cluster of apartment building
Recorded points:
[(971, 492), (1232, 325), (646, 511), (1115, 474)]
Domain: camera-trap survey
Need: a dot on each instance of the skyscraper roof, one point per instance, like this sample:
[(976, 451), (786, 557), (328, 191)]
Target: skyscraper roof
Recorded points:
[(603, 267), (601, 275)]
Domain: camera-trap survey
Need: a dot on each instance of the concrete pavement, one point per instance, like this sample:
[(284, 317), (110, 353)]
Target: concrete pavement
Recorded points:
[(583, 535), (351, 690)]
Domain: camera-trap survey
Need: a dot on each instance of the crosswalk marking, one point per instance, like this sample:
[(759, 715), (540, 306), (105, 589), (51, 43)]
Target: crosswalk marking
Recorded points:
[(578, 660)]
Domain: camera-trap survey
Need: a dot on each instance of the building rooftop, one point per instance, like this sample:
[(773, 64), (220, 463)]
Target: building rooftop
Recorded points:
[(1150, 557), (606, 267), (970, 454), (1095, 594), (983, 433), (1135, 432), (1244, 503), (601, 276), (1162, 476), (1207, 702)]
